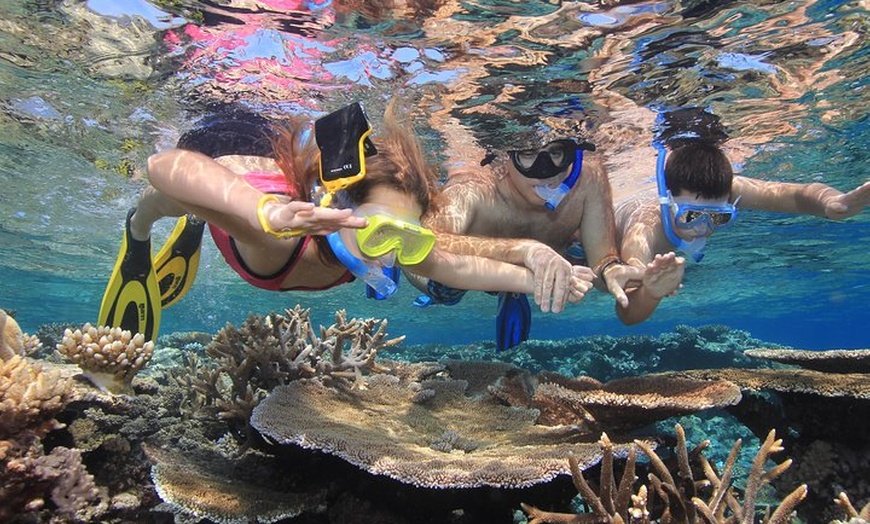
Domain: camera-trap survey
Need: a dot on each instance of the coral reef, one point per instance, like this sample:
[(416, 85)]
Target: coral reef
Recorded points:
[(678, 496), (828, 361), (207, 485), (31, 396), (13, 341), (620, 406), (607, 357), (266, 352), (110, 357), (426, 433), (824, 418)]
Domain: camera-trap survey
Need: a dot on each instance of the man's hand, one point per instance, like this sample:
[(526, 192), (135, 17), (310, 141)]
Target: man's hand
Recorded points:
[(553, 277), (310, 218), (617, 276), (664, 275), (848, 204)]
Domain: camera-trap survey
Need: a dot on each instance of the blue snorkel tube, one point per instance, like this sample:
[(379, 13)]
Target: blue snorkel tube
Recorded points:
[(553, 196), (695, 248), (373, 276)]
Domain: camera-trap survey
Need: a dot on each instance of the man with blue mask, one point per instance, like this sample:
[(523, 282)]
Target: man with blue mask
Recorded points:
[(527, 206)]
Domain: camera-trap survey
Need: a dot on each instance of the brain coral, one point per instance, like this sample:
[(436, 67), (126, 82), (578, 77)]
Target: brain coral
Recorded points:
[(428, 434)]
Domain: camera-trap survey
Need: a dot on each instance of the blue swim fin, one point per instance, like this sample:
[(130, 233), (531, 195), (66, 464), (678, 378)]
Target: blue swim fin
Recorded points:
[(514, 320)]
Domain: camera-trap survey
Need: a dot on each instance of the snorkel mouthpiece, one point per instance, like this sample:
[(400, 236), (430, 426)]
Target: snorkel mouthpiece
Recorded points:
[(553, 196), (374, 276)]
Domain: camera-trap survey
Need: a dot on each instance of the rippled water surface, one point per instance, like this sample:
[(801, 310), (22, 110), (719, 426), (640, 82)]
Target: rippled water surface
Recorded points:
[(89, 89)]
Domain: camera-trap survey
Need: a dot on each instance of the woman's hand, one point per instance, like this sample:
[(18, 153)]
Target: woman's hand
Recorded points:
[(309, 218)]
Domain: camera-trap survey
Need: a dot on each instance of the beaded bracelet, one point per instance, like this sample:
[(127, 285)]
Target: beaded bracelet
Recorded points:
[(264, 222)]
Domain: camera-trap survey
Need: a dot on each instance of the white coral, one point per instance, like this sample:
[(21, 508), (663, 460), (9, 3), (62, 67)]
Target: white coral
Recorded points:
[(110, 357)]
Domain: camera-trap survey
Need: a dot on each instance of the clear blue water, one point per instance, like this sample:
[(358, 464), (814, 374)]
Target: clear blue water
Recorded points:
[(88, 90)]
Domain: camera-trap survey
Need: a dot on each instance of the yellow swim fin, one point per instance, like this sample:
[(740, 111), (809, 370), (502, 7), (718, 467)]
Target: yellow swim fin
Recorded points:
[(131, 299), (177, 261)]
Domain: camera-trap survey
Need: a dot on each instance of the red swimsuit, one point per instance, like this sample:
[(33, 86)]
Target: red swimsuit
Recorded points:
[(268, 183)]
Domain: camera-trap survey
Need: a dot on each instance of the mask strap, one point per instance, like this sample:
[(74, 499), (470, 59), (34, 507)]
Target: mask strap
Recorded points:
[(695, 248)]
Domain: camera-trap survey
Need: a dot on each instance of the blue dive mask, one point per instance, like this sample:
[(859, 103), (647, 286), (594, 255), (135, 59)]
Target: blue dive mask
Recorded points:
[(371, 273), (694, 247)]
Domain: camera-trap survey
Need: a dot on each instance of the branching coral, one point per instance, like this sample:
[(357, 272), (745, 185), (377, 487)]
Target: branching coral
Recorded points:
[(270, 351), (110, 357), (683, 498), (30, 397)]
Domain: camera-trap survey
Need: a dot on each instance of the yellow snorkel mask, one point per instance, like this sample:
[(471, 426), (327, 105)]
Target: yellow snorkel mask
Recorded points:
[(383, 234)]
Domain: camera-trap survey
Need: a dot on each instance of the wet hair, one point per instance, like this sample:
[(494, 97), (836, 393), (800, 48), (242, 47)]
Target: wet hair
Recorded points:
[(399, 164), (699, 168)]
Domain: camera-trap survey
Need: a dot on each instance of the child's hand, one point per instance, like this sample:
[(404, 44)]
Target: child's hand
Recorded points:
[(664, 275), (582, 279), (848, 204)]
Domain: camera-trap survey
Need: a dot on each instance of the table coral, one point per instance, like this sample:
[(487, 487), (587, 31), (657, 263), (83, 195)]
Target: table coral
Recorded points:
[(110, 357), (829, 360), (445, 439)]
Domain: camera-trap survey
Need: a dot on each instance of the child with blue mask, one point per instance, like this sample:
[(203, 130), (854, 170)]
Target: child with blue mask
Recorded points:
[(698, 194)]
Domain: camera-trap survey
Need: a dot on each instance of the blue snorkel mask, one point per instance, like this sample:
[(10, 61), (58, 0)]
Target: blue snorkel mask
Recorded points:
[(372, 274), (688, 217), (549, 161)]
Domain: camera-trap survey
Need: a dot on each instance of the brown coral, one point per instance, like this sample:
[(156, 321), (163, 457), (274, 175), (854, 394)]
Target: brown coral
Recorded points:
[(110, 357), (617, 406), (427, 433), (678, 492), (828, 361), (223, 490), (30, 397), (13, 341)]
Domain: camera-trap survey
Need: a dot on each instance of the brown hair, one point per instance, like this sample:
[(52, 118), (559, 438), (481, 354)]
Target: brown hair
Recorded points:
[(399, 164), (699, 168)]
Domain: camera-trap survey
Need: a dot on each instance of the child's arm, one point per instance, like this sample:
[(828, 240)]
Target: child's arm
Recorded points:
[(810, 199), (663, 273), (484, 274)]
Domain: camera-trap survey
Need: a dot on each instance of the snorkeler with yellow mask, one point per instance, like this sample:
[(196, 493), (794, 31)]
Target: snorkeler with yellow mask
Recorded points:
[(316, 214)]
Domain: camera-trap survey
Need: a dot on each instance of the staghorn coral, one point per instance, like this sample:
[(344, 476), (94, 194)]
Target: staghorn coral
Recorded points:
[(824, 418), (109, 357), (682, 497), (440, 439), (265, 352), (828, 361)]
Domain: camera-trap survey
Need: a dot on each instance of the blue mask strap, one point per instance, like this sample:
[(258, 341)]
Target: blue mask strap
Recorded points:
[(373, 276), (695, 248), (553, 197)]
